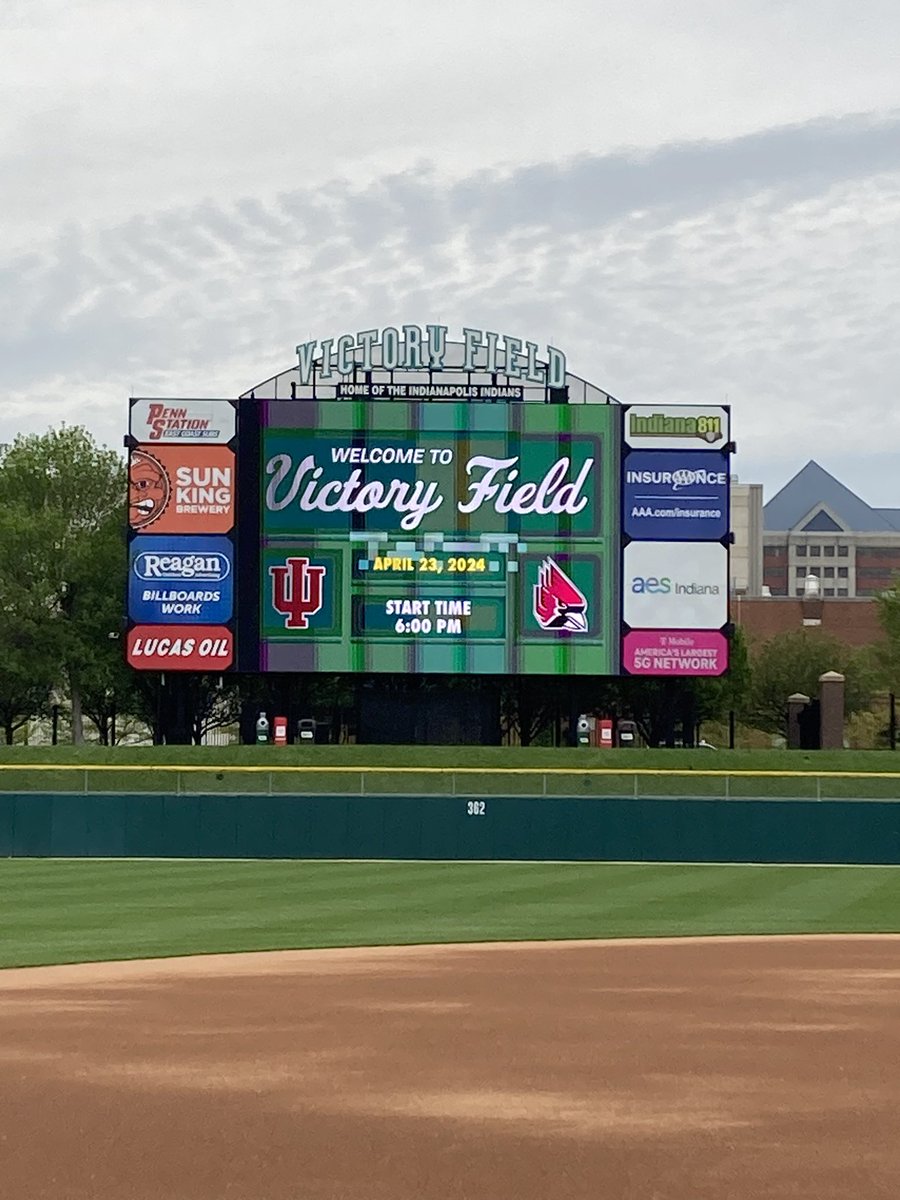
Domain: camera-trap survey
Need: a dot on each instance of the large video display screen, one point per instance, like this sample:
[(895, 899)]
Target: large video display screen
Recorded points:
[(438, 537)]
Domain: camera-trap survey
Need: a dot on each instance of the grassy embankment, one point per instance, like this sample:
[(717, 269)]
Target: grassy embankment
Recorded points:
[(481, 770)]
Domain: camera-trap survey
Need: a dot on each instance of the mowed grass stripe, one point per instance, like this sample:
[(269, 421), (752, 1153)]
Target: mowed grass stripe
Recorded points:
[(58, 911), (216, 758)]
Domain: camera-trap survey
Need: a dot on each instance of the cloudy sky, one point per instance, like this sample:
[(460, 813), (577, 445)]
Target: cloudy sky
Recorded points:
[(698, 201)]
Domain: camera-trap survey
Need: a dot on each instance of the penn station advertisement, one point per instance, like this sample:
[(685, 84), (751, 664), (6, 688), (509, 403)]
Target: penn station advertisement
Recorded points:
[(372, 532)]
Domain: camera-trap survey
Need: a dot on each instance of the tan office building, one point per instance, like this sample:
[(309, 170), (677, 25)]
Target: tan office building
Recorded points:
[(817, 526)]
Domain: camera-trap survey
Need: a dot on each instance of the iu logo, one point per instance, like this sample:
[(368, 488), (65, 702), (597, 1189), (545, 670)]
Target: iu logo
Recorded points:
[(557, 602), (297, 591)]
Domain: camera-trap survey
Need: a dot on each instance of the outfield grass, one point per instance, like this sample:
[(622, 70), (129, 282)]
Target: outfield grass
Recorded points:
[(66, 911)]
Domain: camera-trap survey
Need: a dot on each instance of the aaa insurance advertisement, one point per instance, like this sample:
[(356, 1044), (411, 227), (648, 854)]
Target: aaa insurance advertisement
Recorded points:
[(670, 496)]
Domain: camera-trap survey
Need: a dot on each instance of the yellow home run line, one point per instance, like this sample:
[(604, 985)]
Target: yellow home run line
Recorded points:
[(685, 772)]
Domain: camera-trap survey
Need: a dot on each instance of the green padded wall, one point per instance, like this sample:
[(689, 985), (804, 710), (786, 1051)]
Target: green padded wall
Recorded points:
[(683, 830)]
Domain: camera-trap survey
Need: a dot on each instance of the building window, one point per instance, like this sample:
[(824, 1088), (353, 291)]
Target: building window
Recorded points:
[(816, 571), (801, 572), (801, 551), (829, 591), (828, 572), (829, 551), (843, 572), (842, 591), (799, 592), (843, 551), (815, 551)]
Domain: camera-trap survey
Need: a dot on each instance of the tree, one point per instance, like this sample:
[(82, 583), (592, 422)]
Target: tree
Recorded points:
[(30, 647), (98, 677), (66, 498), (26, 678), (888, 604), (718, 696), (529, 706), (793, 662)]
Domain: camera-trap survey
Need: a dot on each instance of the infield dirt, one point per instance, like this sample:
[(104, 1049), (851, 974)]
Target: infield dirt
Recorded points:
[(701, 1069)]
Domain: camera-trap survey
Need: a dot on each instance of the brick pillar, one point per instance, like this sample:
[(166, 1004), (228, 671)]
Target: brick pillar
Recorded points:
[(795, 706), (831, 710), (811, 610)]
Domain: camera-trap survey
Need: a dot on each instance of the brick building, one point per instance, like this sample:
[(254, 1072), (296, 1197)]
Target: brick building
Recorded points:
[(854, 622), (817, 526)]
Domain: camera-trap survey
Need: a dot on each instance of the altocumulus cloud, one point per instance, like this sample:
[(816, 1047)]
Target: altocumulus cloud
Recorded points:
[(763, 270)]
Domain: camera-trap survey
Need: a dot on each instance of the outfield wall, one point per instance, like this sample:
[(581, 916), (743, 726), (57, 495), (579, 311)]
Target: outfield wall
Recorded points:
[(398, 827)]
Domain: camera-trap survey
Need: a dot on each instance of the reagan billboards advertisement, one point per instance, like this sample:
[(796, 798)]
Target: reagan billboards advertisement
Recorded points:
[(181, 579), (465, 538)]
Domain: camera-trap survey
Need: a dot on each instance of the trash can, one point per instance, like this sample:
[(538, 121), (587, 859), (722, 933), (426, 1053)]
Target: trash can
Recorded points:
[(627, 734)]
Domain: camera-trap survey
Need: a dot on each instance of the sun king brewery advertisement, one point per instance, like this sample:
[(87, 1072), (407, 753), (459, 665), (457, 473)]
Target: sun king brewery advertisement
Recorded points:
[(676, 530)]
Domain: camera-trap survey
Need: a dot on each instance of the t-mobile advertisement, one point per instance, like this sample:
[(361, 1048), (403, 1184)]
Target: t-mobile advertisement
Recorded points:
[(674, 652)]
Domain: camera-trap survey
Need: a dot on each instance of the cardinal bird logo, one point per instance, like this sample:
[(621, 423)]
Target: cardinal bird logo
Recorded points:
[(558, 603)]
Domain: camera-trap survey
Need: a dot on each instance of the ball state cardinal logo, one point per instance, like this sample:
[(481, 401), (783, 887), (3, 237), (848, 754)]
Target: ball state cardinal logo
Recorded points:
[(558, 603)]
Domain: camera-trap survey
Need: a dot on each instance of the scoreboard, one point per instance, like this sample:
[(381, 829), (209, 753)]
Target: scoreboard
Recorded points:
[(362, 528)]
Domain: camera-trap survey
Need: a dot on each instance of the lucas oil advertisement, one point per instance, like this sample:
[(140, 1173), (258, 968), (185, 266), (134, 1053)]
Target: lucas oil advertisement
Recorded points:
[(446, 537)]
